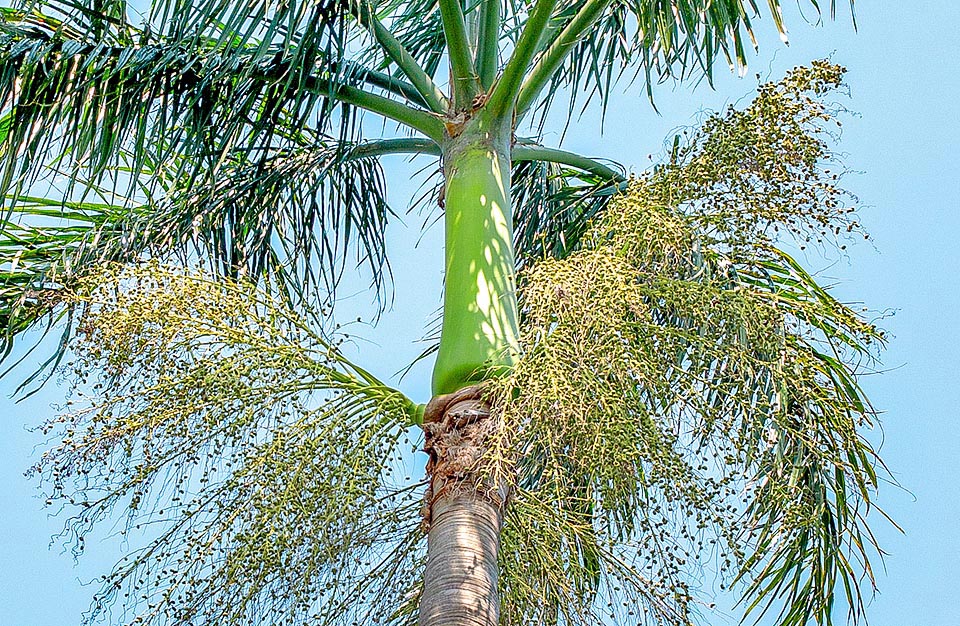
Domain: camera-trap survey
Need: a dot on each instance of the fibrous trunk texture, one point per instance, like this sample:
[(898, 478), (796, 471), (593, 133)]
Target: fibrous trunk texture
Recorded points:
[(463, 514)]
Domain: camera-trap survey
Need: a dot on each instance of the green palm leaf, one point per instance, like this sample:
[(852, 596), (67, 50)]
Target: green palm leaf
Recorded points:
[(45, 248), (554, 208), (289, 219), (658, 39), (211, 85)]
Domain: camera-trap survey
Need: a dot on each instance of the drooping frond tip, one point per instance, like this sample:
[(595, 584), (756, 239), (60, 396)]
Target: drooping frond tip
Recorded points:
[(291, 220), (600, 41)]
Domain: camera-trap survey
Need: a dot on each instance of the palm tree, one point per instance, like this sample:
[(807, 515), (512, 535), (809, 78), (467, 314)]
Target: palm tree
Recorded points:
[(666, 360)]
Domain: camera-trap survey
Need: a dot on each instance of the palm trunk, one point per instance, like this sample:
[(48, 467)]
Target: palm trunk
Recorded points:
[(464, 510), (464, 514), (460, 579)]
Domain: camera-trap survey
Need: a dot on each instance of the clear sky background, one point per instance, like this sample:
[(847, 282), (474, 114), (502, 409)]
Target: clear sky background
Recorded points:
[(904, 79)]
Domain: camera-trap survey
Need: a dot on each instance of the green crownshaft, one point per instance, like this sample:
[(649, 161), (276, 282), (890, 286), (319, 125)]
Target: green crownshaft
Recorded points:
[(479, 336)]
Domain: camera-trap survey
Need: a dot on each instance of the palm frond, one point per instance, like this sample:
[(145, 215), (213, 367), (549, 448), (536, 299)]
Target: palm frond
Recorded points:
[(261, 28), (553, 208), (45, 245), (658, 40), (199, 94), (815, 470), (290, 220), (419, 27), (264, 459)]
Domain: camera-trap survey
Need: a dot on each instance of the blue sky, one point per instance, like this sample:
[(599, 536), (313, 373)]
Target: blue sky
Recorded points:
[(904, 79)]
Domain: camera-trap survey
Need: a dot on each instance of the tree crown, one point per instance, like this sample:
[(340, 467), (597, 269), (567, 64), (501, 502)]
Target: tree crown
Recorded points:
[(686, 390)]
